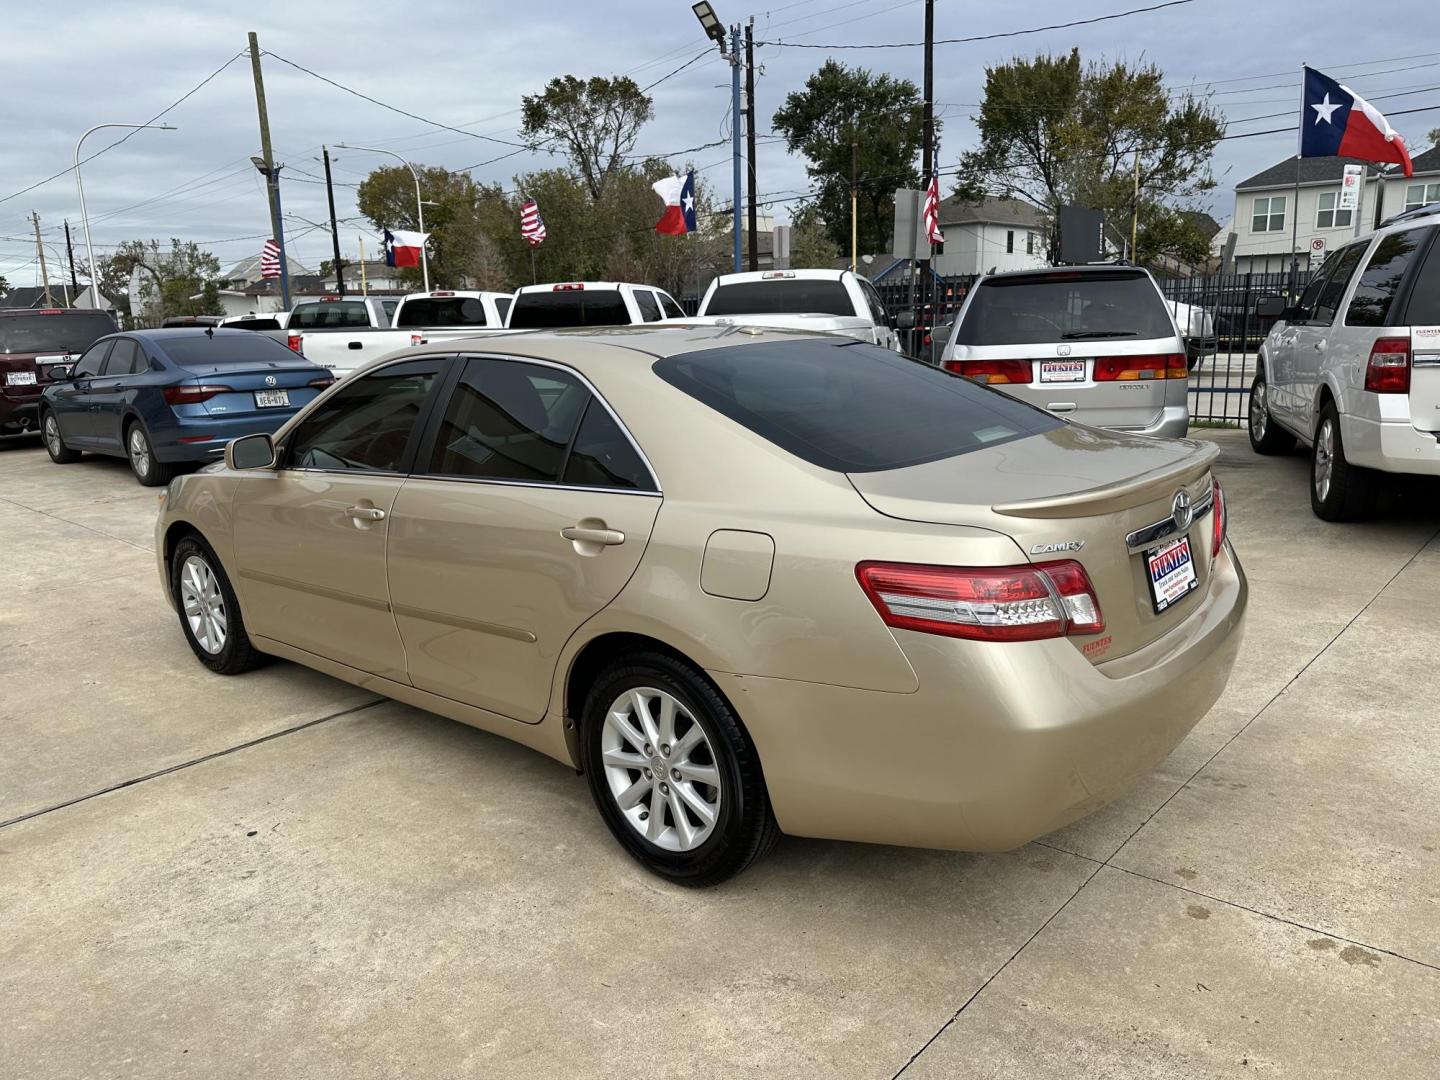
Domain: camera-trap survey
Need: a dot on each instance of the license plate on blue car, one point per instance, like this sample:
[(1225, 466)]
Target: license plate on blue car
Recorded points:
[(270, 399)]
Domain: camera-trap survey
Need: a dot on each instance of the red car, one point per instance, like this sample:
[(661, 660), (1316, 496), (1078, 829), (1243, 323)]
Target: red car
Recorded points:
[(32, 340)]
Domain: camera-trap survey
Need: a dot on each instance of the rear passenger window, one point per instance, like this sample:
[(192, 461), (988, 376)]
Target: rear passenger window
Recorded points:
[(603, 457), (1381, 280), (1424, 306), (1336, 283), (121, 358), (649, 307)]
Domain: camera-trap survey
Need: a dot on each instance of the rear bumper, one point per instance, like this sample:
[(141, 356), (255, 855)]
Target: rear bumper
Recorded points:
[(206, 437), (1001, 743), (1172, 423), (1394, 446), (19, 417)]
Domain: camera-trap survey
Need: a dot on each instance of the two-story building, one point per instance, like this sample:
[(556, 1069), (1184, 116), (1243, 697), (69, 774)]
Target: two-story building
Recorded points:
[(1264, 224)]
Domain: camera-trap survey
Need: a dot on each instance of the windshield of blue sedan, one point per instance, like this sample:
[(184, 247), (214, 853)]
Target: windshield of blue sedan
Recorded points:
[(851, 407)]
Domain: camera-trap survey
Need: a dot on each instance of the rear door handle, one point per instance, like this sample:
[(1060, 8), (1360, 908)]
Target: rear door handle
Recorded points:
[(366, 513), (356, 345), (581, 535)]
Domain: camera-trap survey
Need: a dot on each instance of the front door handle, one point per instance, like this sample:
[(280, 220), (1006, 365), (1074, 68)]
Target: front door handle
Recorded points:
[(356, 345), (582, 535), (366, 513)]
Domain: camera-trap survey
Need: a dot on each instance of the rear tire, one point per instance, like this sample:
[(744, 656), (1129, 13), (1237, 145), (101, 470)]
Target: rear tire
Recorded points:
[(209, 612), (141, 455), (1339, 491), (55, 442), (1266, 436), (708, 773)]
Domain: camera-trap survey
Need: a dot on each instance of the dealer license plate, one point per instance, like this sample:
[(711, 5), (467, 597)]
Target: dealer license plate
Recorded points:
[(1172, 573), (1053, 371), (269, 399), (20, 378)]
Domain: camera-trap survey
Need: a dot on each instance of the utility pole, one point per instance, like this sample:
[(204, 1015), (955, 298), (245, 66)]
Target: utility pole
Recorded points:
[(40, 247), (272, 174), (854, 202), (927, 148), (70, 254), (735, 136), (364, 287), (750, 139), (334, 232)]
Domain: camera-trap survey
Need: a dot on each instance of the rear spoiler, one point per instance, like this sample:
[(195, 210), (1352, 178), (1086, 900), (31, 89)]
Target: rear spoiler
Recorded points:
[(1121, 495)]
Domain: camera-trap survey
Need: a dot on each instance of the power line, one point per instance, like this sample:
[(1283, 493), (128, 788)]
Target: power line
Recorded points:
[(985, 37), (682, 67), (1278, 74)]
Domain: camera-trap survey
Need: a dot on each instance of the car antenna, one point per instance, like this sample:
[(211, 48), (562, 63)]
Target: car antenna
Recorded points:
[(209, 331)]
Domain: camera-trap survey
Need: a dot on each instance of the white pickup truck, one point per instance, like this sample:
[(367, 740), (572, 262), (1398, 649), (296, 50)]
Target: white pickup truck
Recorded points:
[(344, 332), (590, 303), (825, 301)]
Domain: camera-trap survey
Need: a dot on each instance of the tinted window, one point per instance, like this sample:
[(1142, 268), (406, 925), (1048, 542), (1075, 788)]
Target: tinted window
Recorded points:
[(122, 358), (1311, 295), (877, 306), (781, 296), (603, 457), (1424, 306), (254, 324), (1327, 303), (649, 306), (502, 307), (389, 307), (330, 315), (508, 421), (570, 307), (225, 348), (92, 361), (1064, 306), (442, 311), (671, 308), (1370, 306), (72, 332), (367, 423), (851, 407)]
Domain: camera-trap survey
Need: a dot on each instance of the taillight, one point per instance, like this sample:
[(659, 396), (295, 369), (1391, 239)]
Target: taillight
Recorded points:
[(192, 395), (1388, 369), (322, 382), (992, 372), (1218, 522), (293, 341), (1136, 368), (1003, 603)]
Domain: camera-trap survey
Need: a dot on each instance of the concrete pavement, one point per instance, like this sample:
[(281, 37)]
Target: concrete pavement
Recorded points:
[(279, 874)]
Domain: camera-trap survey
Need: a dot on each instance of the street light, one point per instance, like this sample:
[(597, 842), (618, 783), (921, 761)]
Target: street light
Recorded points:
[(715, 31), (420, 203), (710, 23), (84, 217)]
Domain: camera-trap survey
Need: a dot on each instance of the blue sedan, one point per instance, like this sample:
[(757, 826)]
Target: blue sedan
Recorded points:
[(164, 398)]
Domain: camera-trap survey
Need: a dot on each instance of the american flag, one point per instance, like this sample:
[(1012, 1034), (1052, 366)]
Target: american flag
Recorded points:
[(531, 227), (270, 260), (932, 211)]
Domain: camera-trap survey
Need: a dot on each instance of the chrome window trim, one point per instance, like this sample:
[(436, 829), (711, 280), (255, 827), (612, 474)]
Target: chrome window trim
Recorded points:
[(1146, 536)]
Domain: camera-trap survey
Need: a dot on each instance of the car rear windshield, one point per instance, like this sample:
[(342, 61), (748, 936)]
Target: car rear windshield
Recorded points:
[(849, 406), (569, 307), (223, 348), (442, 311), (330, 315), (254, 324), (782, 296), (63, 332), (1064, 306)]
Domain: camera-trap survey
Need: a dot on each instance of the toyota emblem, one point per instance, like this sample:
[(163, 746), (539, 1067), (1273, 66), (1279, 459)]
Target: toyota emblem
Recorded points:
[(269, 380), (1181, 512)]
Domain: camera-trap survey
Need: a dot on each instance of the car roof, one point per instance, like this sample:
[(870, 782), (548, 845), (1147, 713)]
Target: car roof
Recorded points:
[(550, 286), (809, 274), (1078, 268)]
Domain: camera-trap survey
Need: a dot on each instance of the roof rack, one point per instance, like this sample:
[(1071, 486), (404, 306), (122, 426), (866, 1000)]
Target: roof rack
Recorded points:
[(1429, 210)]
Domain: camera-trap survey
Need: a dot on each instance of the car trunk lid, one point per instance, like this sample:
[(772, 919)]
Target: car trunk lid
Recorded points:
[(262, 388), (1076, 493)]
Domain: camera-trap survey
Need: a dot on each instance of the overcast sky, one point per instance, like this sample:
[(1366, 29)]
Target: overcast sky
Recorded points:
[(467, 64)]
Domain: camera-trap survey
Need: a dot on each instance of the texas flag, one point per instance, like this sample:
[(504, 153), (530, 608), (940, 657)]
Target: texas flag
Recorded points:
[(403, 248), (679, 196), (1337, 122)]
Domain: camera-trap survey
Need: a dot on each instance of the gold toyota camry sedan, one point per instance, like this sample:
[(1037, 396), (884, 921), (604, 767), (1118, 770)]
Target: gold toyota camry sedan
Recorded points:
[(748, 582)]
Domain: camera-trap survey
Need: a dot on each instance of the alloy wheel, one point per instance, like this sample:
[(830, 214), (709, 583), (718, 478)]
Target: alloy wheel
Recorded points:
[(139, 452), (1259, 410), (52, 435), (1324, 466), (660, 769), (203, 604)]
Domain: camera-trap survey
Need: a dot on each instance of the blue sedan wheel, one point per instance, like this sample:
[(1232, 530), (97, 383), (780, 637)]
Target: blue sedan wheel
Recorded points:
[(148, 471)]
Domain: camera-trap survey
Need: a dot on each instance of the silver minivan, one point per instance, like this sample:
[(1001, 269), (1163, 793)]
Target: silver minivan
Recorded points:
[(1093, 344)]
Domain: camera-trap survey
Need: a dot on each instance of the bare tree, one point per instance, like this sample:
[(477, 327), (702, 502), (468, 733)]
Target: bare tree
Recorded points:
[(597, 120)]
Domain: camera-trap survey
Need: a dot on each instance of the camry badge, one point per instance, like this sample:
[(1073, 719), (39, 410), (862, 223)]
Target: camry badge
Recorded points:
[(1181, 512), (1063, 545), (269, 380)]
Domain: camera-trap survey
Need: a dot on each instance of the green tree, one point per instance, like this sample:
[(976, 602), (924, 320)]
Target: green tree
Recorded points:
[(596, 120), (1055, 132), (387, 198), (810, 247), (882, 117), (4, 287), (181, 281)]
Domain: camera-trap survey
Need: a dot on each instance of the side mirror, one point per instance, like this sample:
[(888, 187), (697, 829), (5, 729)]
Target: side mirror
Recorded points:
[(250, 452), (905, 320), (59, 372), (1270, 307)]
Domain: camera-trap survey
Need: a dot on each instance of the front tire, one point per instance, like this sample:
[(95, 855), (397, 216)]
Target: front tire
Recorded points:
[(55, 442), (209, 612), (1339, 491), (1266, 436), (673, 773), (141, 455)]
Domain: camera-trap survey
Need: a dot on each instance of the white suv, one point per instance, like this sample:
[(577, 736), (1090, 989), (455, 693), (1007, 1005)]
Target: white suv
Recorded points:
[(1353, 369)]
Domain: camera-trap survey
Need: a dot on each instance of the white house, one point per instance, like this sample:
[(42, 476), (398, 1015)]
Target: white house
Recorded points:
[(992, 235), (1265, 206)]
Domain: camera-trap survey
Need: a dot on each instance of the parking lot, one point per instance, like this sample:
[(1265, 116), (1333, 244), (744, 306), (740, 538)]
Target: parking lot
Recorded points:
[(280, 874)]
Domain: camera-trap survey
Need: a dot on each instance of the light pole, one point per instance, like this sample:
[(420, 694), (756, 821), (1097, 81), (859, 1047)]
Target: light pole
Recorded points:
[(277, 220), (419, 202), (715, 31), (80, 186)]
